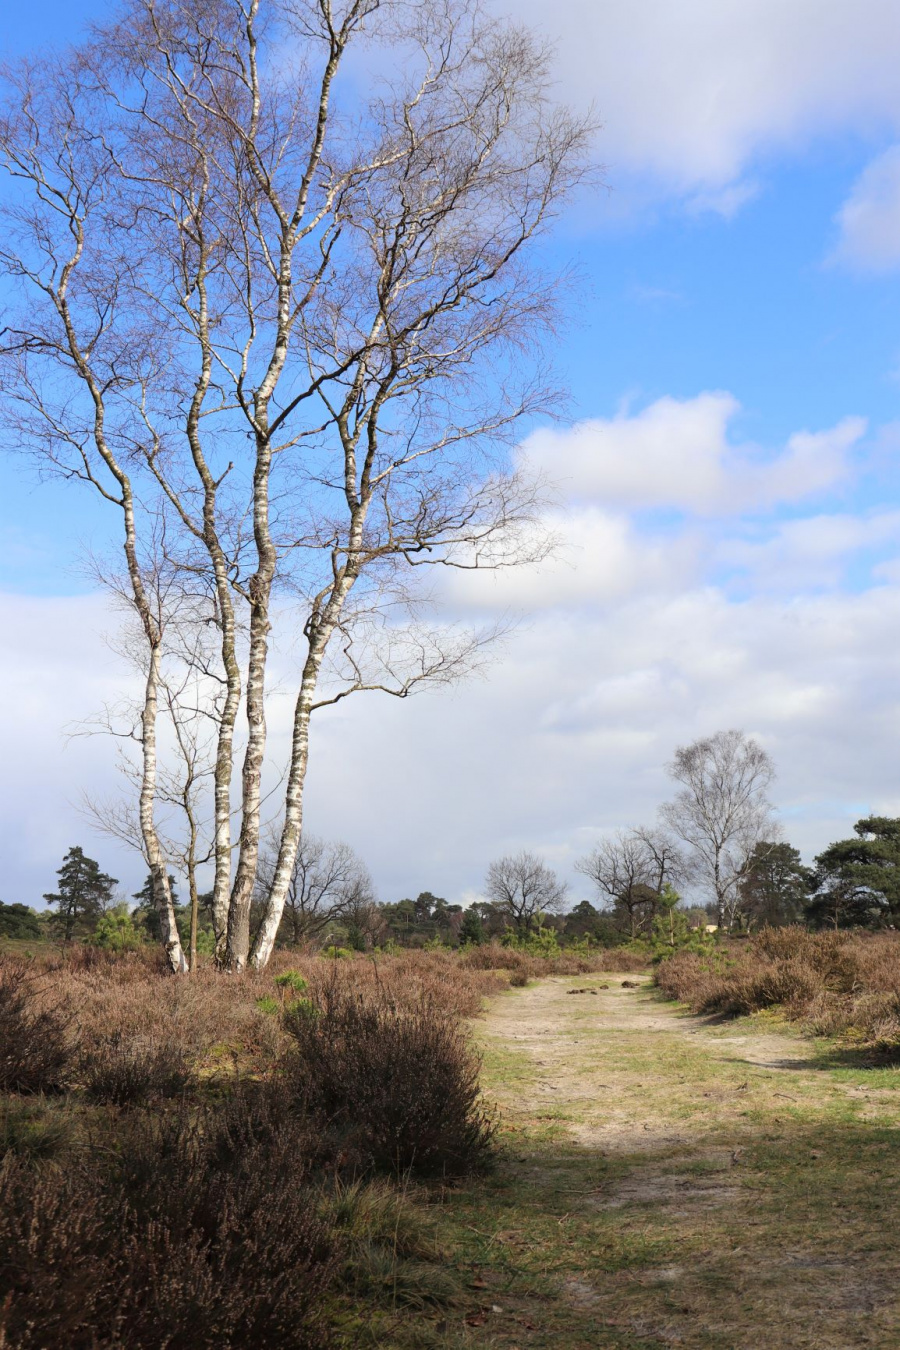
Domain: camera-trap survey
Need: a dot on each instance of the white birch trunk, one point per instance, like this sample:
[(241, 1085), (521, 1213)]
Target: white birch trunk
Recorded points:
[(238, 949), (162, 892), (293, 814), (293, 822)]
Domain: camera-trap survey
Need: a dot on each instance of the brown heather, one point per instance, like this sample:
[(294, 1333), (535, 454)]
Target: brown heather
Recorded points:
[(191, 1161), (115, 1005), (840, 984)]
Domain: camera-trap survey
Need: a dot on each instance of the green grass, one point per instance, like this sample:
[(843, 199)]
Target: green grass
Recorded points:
[(766, 1219)]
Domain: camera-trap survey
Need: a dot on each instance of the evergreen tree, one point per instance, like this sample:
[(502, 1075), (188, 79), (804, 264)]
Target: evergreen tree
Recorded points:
[(84, 894), (775, 887), (472, 929), (116, 931), (19, 923), (859, 879), (582, 920), (146, 912)]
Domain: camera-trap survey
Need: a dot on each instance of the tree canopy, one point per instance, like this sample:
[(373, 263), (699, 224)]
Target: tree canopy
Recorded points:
[(84, 894), (858, 879)]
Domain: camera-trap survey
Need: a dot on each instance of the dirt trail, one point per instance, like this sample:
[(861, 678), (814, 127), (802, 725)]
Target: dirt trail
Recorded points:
[(590, 1048), (690, 1183)]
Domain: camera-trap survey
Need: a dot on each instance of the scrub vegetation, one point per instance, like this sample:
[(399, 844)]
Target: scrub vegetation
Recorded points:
[(260, 1160), (485, 1148)]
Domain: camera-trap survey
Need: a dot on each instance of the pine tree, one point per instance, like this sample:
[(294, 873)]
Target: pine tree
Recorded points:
[(84, 893), (471, 929), (146, 913)]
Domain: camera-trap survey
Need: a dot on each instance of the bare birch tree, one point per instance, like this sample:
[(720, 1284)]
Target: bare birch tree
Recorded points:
[(722, 811), (631, 868), (299, 328)]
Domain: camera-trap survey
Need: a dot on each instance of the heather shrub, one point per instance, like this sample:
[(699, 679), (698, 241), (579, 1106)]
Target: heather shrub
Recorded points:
[(120, 1071), (756, 986), (390, 1086), (176, 1240), (842, 984), (573, 960), (36, 1053)]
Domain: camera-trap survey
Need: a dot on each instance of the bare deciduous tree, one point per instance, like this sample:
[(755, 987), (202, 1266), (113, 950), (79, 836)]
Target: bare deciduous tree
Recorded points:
[(325, 883), (722, 811), (524, 888), (361, 915), (292, 334), (631, 869)]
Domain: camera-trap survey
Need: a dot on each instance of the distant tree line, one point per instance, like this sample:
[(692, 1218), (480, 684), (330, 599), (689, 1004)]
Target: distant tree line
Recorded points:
[(717, 838)]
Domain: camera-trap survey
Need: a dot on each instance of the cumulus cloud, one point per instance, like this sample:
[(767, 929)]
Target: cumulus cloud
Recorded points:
[(869, 220), (677, 454), (566, 736), (599, 556), (569, 734), (812, 553), (691, 94), (55, 672), (635, 641)]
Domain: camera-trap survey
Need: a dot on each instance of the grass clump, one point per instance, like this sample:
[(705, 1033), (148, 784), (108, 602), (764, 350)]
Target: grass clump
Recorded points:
[(32, 1132), (392, 1250)]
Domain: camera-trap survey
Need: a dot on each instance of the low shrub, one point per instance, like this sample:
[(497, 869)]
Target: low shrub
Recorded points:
[(842, 984), (755, 987), (120, 1071), (176, 1240), (569, 961), (389, 1086), (36, 1052)]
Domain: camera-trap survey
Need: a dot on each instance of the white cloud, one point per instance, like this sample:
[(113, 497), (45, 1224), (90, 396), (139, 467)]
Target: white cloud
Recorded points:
[(869, 220), (565, 737), (676, 453), (633, 645), (691, 94), (813, 552), (599, 557), (55, 672), (723, 201), (569, 734)]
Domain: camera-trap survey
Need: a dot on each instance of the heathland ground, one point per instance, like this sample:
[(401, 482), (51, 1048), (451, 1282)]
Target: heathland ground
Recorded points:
[(671, 1180), (616, 1171)]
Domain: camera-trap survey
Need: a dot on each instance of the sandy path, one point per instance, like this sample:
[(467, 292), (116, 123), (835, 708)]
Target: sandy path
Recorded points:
[(753, 1166), (620, 1062)]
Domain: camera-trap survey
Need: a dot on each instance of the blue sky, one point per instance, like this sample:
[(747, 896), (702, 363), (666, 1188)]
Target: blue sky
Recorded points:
[(749, 247)]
